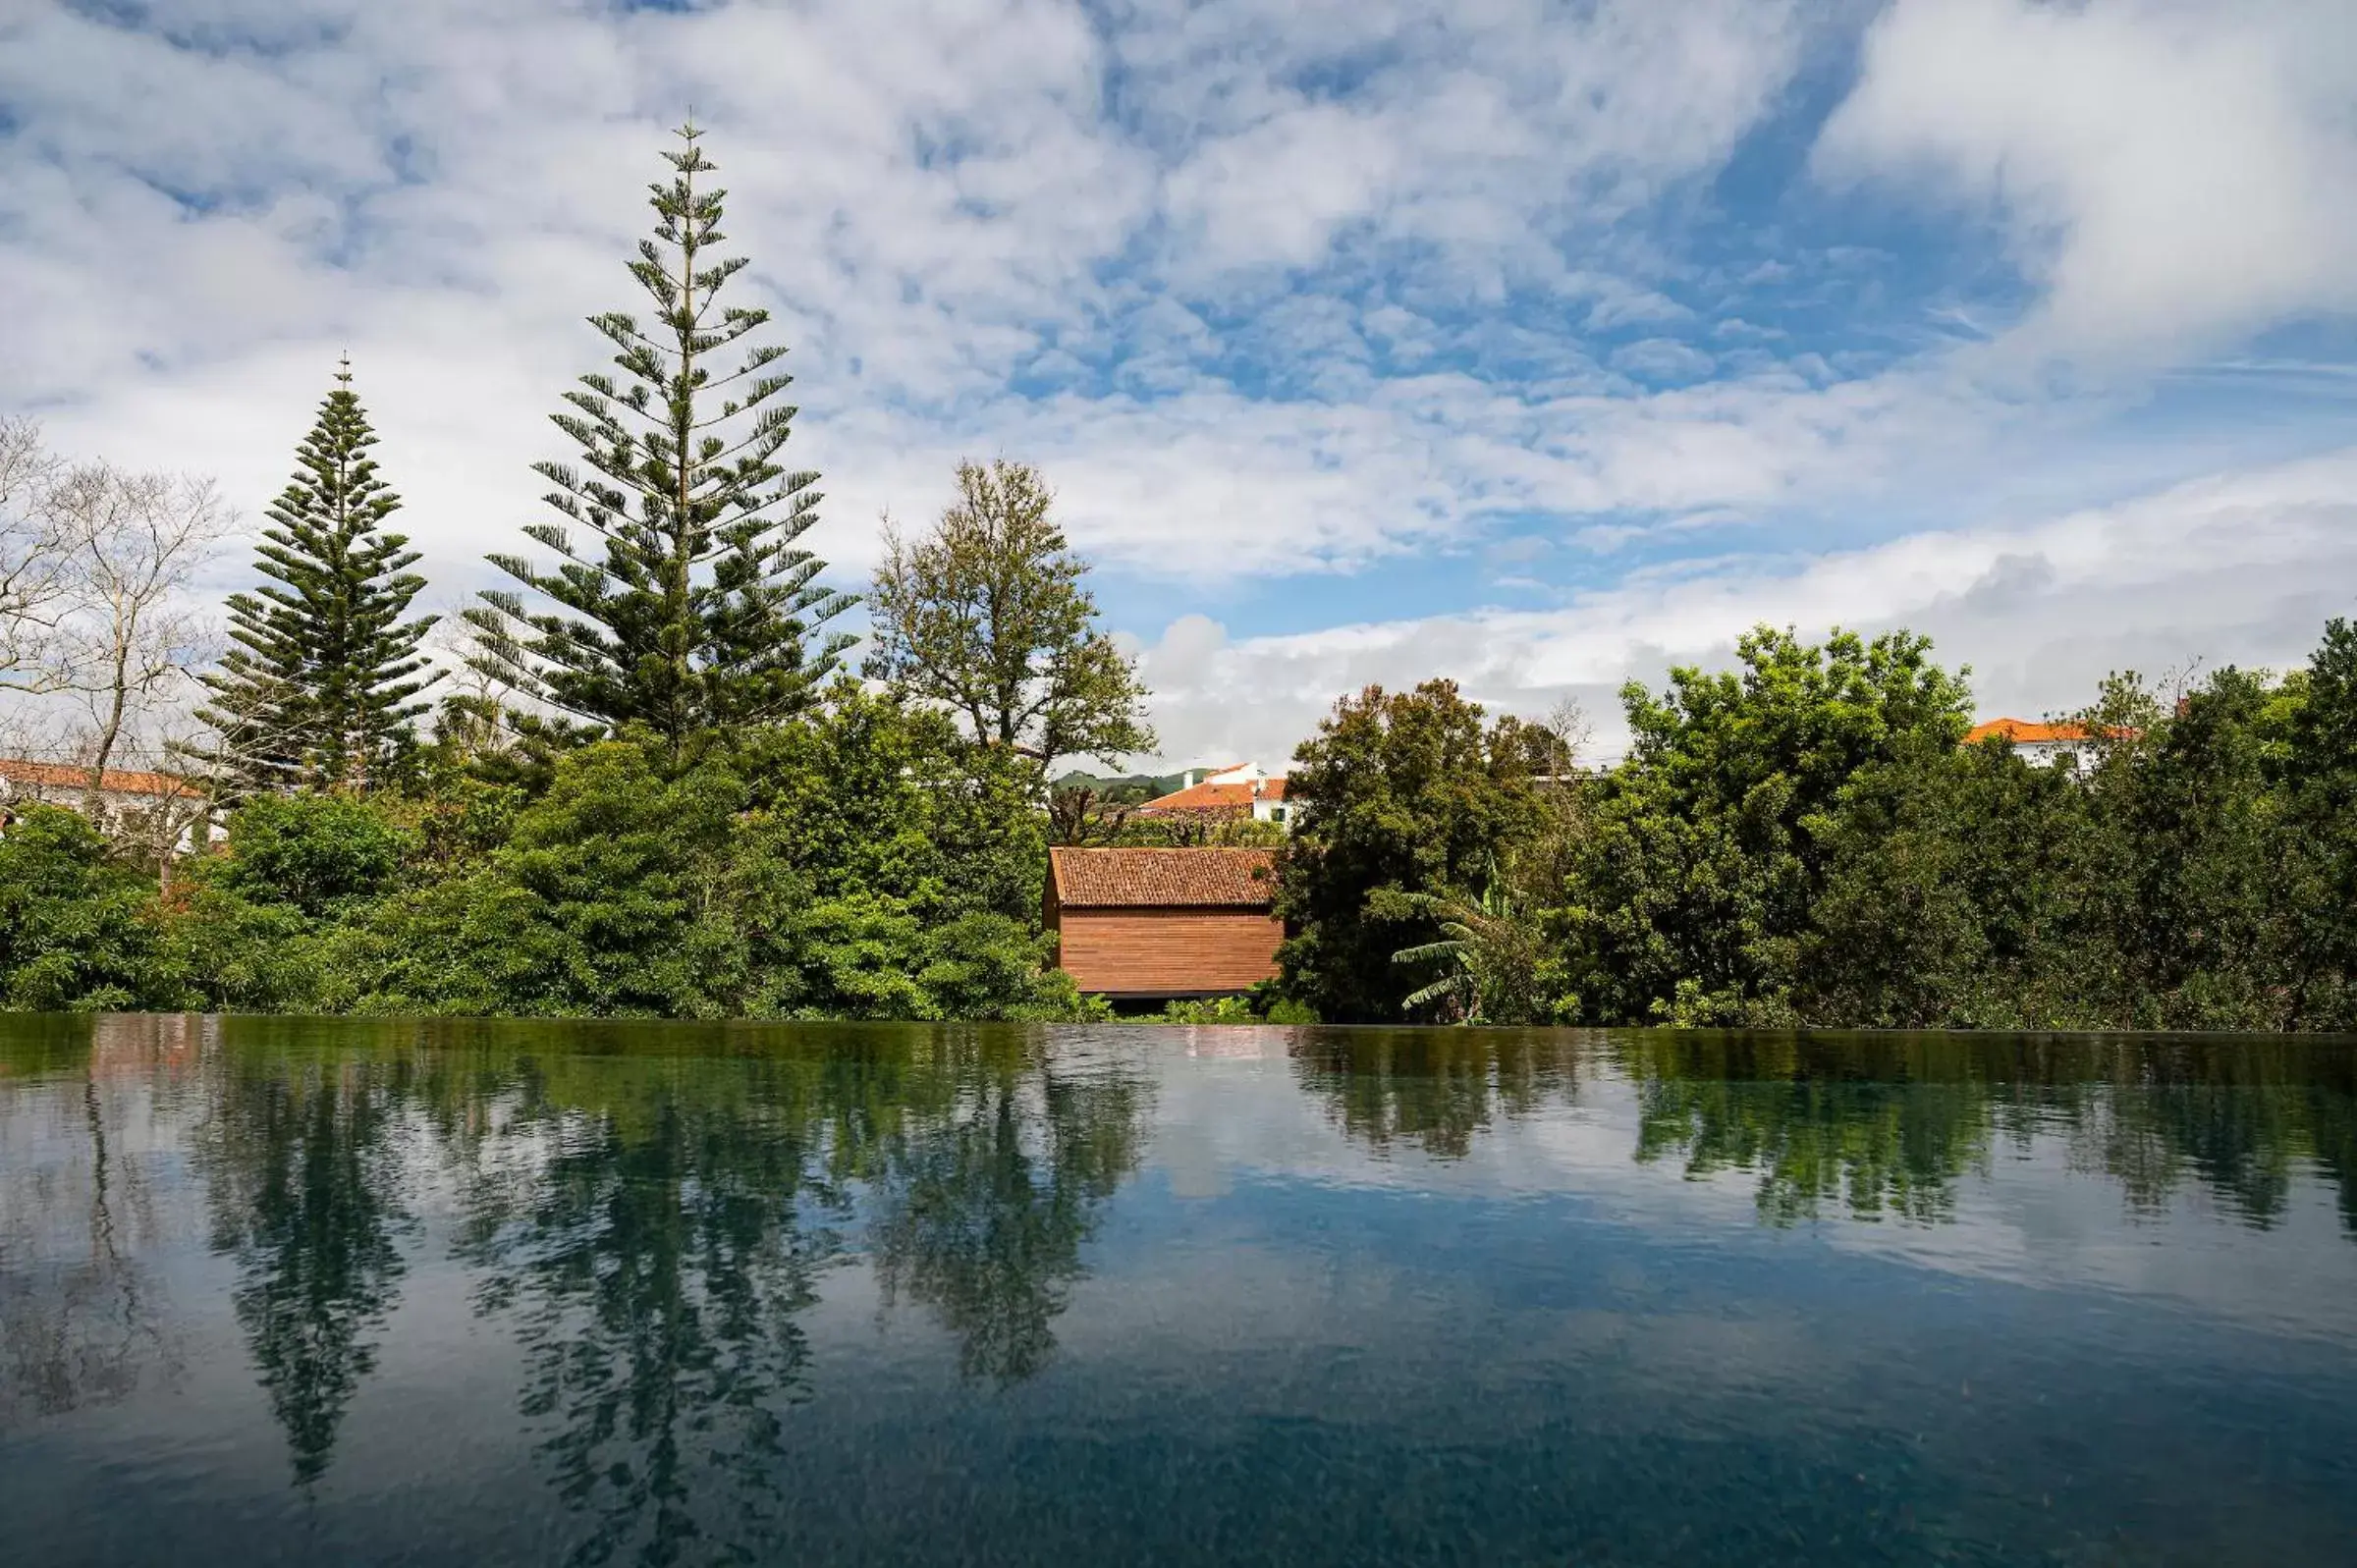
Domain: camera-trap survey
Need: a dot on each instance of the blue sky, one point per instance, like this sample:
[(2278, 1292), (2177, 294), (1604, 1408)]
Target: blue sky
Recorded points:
[(1534, 344)]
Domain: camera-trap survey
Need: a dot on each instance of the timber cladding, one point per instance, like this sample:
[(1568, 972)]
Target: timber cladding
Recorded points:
[(1163, 922), (1167, 952)]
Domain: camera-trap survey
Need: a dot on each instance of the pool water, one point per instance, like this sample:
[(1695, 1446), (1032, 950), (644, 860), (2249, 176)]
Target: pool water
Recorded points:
[(444, 1292)]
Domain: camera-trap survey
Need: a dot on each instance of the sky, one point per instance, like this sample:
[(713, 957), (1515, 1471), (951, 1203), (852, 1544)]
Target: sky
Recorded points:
[(1541, 346)]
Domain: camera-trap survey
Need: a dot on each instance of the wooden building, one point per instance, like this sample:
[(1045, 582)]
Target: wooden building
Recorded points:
[(1145, 924)]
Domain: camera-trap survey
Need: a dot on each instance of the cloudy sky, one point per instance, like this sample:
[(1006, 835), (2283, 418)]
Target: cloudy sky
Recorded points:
[(1532, 343)]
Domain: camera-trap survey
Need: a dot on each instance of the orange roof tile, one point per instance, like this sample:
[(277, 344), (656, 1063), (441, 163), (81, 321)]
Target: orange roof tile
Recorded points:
[(65, 776), (1236, 796), (2020, 731), (1132, 879)]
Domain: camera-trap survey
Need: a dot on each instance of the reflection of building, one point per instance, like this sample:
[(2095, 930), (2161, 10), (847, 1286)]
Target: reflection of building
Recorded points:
[(124, 796), (1228, 792), (2038, 745), (1161, 923)]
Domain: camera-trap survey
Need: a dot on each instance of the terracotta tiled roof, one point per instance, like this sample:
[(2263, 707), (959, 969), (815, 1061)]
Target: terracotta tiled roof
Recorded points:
[(2020, 731), (1236, 796), (1191, 879), (65, 776)]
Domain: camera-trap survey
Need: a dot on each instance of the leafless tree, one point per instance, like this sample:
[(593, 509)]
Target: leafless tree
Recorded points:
[(34, 561), (1078, 815), (136, 541), (1572, 731), (157, 830)]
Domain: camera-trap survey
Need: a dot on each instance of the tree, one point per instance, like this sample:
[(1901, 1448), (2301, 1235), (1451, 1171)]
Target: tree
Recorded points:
[(1697, 873), (76, 931), (318, 688), (2319, 768), (1954, 895), (1081, 814), (320, 853), (35, 560), (692, 606), (2185, 883), (1493, 961), (987, 616), (1400, 795), (135, 543)]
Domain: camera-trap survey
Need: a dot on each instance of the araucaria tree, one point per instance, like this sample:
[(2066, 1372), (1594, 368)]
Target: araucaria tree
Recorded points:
[(987, 616), (321, 685), (691, 604)]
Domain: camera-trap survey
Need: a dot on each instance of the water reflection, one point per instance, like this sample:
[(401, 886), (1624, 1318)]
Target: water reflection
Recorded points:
[(647, 1215), (1876, 1126), (301, 1169), (986, 1201), (653, 1233), (644, 1229), (83, 1315), (1434, 1089)]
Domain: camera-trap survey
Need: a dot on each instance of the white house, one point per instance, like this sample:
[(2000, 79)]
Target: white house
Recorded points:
[(1246, 790), (123, 795), (2041, 745)]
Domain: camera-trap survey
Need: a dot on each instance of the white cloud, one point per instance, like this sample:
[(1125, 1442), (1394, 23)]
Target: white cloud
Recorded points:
[(2242, 569), (2172, 174), (201, 206), (1663, 360), (1309, 287)]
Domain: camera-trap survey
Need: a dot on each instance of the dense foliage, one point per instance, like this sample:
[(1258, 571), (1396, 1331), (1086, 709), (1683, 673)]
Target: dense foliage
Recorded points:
[(1400, 796), (863, 864), (1805, 839)]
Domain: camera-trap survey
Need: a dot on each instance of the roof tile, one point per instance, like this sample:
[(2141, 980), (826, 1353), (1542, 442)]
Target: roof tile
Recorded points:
[(65, 776), (1236, 796), (2020, 731), (1116, 879)]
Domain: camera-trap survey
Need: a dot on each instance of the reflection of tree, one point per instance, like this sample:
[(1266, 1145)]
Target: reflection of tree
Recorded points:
[(1813, 1129), (656, 1243), (1435, 1087), (1888, 1123), (985, 1203), (80, 1319), (1879, 1124), (303, 1158), (2238, 1117)]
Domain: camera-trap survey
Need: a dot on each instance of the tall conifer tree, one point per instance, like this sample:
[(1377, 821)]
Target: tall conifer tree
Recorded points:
[(318, 687), (693, 607)]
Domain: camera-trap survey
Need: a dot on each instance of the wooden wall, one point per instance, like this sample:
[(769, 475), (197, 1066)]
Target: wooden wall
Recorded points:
[(1167, 952)]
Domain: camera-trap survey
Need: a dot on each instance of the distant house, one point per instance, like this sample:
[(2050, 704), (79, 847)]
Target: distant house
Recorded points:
[(122, 794), (2042, 745), (1225, 793), (1153, 924)]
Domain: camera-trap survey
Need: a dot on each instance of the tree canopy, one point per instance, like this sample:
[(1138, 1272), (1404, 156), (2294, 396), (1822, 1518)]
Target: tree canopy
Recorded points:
[(987, 616)]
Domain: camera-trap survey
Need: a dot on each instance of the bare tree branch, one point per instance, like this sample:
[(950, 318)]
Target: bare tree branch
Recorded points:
[(136, 541), (35, 561)]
